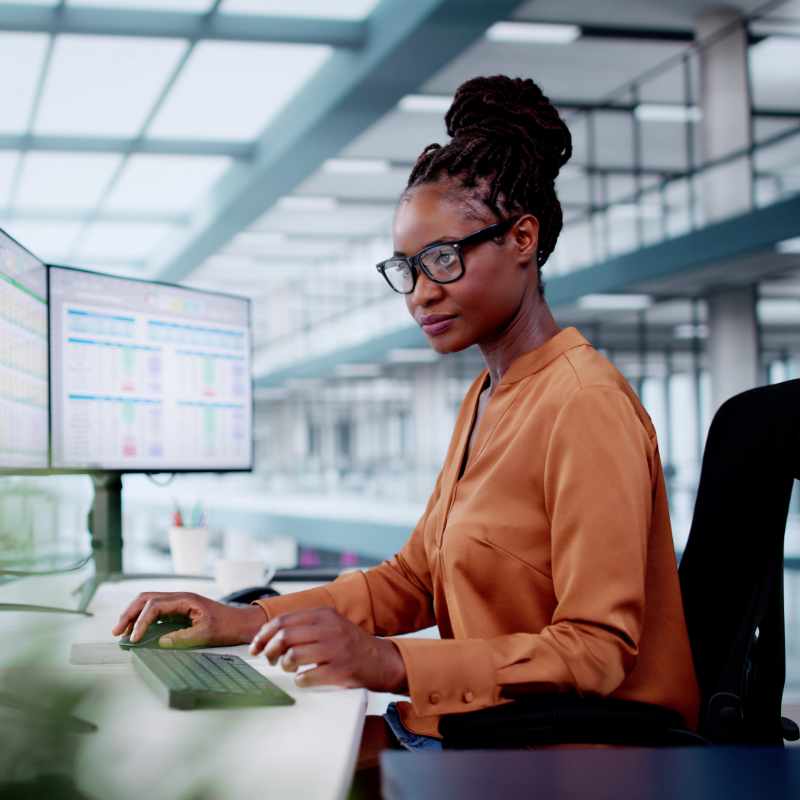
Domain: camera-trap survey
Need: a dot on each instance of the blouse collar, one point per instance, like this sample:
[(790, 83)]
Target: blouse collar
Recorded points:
[(531, 362)]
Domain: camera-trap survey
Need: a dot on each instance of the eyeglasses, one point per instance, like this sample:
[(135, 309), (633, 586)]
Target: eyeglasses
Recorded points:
[(442, 262)]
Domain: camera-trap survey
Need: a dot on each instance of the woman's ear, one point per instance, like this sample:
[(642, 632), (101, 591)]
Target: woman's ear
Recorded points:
[(525, 235)]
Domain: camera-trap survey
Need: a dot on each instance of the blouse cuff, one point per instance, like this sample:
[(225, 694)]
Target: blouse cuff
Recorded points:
[(448, 676)]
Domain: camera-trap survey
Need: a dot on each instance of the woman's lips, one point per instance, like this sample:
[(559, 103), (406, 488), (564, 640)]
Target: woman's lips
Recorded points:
[(436, 325)]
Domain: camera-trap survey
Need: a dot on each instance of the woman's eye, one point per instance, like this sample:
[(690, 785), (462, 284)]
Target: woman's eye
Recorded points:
[(445, 259)]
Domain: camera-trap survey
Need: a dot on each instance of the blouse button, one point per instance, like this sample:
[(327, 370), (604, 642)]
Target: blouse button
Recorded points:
[(434, 698), (468, 696)]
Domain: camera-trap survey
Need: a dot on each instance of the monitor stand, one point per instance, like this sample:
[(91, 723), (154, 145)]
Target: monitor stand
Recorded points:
[(105, 527)]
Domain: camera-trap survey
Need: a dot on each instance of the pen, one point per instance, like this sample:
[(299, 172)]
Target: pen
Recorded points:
[(198, 517), (177, 519)]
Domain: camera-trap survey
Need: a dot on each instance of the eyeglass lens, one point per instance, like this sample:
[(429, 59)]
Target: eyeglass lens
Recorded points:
[(398, 273), (440, 262)]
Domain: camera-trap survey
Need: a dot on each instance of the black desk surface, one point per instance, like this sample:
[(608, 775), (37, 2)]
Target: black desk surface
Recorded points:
[(701, 773)]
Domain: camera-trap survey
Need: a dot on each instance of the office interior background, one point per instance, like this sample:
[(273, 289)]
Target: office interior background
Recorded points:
[(259, 147)]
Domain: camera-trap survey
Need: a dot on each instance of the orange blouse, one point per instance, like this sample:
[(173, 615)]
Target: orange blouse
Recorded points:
[(548, 566)]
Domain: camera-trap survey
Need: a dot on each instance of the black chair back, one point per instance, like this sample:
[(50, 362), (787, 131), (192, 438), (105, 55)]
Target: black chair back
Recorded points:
[(731, 572)]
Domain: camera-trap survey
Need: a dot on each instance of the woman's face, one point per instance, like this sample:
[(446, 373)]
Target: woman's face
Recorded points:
[(479, 307)]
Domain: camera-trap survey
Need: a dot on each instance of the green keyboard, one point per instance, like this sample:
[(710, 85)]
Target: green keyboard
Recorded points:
[(187, 680)]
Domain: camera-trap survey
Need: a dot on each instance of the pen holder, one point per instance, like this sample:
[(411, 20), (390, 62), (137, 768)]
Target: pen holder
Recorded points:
[(189, 548)]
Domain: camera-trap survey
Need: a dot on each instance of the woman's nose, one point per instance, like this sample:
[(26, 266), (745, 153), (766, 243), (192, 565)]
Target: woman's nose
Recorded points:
[(426, 291)]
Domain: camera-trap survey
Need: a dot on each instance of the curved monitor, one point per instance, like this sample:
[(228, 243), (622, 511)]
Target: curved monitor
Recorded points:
[(148, 377), (23, 359)]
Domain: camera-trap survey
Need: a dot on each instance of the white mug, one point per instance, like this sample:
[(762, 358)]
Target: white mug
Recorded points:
[(232, 574)]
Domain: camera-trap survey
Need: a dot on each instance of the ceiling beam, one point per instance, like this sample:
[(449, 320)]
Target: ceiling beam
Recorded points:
[(407, 44), (127, 145), (351, 34)]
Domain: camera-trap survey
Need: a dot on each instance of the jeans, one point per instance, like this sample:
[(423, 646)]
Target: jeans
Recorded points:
[(408, 739)]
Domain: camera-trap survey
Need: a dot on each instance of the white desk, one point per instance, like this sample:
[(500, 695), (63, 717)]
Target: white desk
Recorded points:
[(144, 749)]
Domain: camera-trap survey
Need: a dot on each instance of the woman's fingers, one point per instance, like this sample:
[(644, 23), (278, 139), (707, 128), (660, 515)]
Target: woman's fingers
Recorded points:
[(129, 615), (300, 655), (287, 638), (283, 622), (323, 675), (155, 608)]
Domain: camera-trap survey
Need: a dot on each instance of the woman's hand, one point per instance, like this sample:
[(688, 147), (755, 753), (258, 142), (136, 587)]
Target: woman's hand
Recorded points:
[(212, 623), (344, 654)]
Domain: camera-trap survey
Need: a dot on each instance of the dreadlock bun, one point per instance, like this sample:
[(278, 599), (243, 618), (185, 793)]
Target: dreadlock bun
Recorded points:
[(513, 111), (509, 143)]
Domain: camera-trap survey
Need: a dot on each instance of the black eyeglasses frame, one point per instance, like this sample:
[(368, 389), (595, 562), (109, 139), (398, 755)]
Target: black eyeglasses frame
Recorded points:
[(415, 262)]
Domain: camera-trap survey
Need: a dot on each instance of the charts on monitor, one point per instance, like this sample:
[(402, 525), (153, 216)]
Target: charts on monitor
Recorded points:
[(148, 376), (23, 358)]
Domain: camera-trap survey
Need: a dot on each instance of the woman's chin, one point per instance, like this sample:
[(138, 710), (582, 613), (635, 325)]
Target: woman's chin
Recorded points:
[(446, 344)]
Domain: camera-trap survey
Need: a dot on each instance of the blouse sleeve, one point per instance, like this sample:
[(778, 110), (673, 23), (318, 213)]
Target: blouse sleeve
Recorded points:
[(392, 598), (598, 494)]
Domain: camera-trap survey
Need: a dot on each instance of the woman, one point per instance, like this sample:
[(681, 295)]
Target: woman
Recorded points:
[(545, 554)]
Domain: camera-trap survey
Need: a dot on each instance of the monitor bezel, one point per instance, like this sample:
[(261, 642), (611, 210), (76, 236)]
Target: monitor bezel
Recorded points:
[(47, 470), (158, 470)]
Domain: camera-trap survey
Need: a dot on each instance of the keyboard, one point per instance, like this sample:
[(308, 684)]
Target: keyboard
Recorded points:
[(188, 680)]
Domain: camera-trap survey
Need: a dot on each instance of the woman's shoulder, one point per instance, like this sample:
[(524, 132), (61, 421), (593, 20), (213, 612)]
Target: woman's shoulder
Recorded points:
[(585, 376)]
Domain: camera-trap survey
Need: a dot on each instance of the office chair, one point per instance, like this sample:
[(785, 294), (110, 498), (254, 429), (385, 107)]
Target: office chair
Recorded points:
[(731, 579), (731, 572)]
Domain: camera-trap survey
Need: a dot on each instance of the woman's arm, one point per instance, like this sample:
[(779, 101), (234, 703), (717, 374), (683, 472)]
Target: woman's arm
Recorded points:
[(394, 597)]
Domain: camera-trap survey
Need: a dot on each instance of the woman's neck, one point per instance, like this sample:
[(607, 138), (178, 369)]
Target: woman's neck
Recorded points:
[(531, 327)]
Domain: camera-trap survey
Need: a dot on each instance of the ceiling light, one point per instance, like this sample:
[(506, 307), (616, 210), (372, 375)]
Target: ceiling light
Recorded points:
[(412, 355), (779, 309), (789, 245), (615, 302), (356, 166), (777, 28), (544, 33), (307, 203), (426, 103), (358, 370), (667, 112)]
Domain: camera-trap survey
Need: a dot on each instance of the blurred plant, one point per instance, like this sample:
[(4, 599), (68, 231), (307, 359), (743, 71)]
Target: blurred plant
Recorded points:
[(51, 748), (41, 735)]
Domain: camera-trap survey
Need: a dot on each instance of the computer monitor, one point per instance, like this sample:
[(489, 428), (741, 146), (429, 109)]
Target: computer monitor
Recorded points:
[(23, 359), (147, 376)]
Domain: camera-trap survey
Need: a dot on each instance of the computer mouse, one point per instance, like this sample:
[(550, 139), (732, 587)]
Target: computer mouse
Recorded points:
[(157, 629), (249, 595)]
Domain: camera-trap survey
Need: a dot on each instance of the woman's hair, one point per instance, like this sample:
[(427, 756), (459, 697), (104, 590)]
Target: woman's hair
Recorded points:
[(508, 143)]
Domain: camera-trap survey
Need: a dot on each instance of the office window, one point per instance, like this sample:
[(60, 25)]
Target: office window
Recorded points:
[(181, 180), (104, 85), (216, 89)]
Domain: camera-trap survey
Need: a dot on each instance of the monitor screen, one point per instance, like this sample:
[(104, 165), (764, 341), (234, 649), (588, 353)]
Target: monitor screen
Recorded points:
[(23, 358), (148, 377)]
